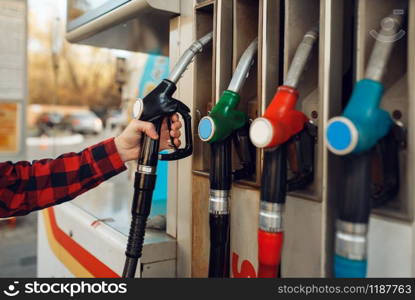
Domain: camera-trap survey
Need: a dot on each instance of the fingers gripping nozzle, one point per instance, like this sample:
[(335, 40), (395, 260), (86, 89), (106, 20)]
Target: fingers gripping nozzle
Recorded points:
[(160, 104)]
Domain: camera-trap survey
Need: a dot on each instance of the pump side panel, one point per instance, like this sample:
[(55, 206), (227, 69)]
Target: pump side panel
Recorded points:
[(302, 252), (390, 248), (200, 235), (244, 232)]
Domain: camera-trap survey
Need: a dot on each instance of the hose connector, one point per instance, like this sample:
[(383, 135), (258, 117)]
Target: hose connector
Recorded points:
[(219, 202), (270, 216), (270, 239), (351, 240), (350, 250)]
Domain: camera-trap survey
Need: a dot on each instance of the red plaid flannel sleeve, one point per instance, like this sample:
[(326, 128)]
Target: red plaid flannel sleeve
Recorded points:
[(26, 187)]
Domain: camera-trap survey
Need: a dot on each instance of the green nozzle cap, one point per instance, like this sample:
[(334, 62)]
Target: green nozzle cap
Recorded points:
[(223, 119)]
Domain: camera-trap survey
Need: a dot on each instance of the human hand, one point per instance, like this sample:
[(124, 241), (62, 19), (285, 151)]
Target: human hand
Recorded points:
[(127, 142)]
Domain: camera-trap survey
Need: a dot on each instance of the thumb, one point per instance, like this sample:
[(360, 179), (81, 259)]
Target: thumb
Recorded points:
[(149, 129)]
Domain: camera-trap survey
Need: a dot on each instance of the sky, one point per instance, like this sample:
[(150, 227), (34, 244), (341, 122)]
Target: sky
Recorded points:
[(45, 10)]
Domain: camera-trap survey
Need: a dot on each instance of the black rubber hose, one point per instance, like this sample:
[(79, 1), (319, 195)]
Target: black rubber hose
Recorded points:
[(356, 205), (219, 246), (274, 175), (144, 184), (220, 179), (221, 165), (135, 245)]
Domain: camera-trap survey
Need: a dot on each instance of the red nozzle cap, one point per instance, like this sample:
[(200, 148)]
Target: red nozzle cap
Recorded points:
[(269, 253), (280, 122)]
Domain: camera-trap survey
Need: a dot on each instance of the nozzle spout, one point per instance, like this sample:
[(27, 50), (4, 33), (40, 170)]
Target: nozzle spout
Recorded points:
[(385, 40), (188, 56), (301, 57), (245, 63)]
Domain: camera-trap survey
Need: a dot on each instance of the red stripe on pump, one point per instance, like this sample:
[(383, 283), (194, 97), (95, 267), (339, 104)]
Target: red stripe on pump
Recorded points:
[(247, 269), (85, 258), (269, 253)]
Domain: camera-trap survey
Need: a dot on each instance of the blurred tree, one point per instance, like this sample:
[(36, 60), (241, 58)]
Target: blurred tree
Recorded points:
[(86, 75)]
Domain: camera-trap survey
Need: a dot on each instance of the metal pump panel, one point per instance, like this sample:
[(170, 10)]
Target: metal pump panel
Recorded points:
[(133, 25)]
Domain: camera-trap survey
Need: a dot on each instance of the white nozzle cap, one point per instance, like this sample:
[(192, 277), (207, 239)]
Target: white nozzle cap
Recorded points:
[(261, 132), (138, 108)]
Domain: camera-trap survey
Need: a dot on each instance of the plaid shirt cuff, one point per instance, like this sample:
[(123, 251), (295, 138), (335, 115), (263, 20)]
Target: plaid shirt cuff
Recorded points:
[(26, 187), (106, 159)]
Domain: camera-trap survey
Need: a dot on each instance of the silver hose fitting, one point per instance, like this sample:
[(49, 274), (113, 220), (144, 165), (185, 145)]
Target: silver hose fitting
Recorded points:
[(301, 57), (187, 57), (270, 216), (351, 240), (244, 65), (385, 40), (147, 170), (219, 202)]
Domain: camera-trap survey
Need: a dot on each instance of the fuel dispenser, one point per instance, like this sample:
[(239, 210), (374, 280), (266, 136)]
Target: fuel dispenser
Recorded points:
[(155, 107), (346, 39), (363, 132), (224, 124), (283, 129)]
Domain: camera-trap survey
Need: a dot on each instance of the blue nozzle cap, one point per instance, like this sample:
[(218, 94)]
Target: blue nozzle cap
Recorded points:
[(363, 122), (349, 268), (342, 136), (206, 128)]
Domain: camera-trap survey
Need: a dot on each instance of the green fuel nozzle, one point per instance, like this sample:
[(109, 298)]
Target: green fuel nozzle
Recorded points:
[(224, 117), (224, 124)]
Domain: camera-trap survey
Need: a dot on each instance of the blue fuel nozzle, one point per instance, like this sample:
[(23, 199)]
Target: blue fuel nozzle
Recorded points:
[(363, 122)]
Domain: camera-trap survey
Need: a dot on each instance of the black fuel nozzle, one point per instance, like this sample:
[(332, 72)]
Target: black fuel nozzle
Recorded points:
[(224, 124), (158, 105)]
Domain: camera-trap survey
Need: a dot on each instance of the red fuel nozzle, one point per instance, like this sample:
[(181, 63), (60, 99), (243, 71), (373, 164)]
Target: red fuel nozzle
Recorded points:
[(280, 122)]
